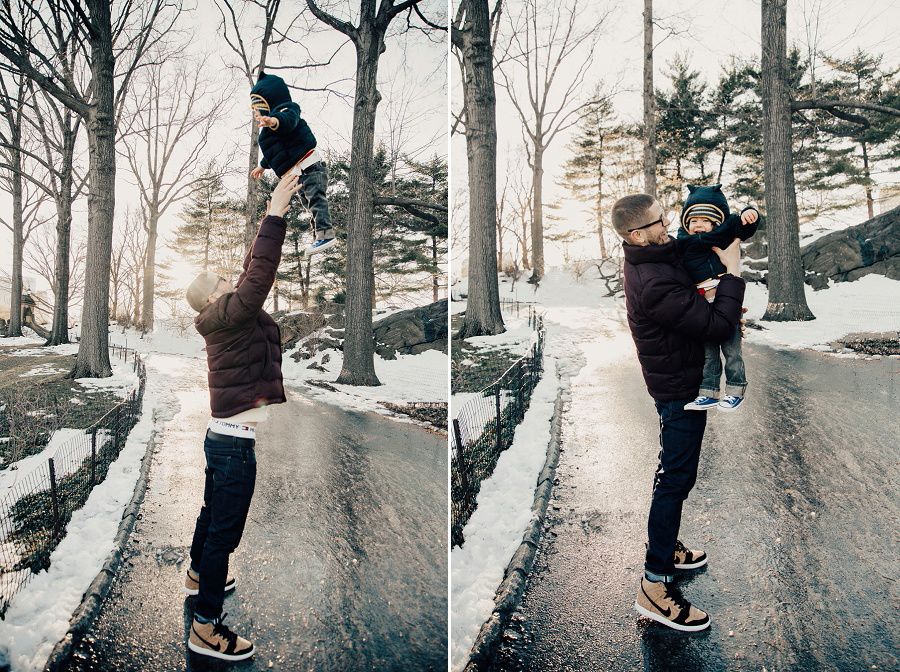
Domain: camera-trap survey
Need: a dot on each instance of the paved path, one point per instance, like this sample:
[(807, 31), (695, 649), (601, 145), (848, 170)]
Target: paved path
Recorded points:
[(797, 504), (343, 564)]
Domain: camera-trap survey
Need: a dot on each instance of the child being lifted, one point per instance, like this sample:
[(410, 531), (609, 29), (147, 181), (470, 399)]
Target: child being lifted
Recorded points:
[(707, 222), (289, 148)]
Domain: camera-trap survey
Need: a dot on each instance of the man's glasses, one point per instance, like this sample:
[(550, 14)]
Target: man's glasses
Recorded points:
[(662, 220)]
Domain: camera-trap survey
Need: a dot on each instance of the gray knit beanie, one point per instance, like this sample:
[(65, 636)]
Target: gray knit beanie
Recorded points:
[(200, 289)]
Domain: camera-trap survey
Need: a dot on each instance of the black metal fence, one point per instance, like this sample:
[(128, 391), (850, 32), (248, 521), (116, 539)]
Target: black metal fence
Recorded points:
[(35, 511), (484, 427)]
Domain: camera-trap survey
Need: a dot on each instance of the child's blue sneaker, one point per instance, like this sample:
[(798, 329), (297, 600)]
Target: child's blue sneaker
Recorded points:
[(730, 403), (702, 403), (319, 246)]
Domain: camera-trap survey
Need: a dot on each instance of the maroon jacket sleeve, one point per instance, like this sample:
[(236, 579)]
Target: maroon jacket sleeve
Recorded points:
[(256, 281), (683, 309)]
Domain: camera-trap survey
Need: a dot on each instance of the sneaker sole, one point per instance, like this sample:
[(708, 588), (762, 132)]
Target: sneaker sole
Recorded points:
[(196, 648), (310, 252), (691, 407), (728, 409), (665, 621), (693, 565)]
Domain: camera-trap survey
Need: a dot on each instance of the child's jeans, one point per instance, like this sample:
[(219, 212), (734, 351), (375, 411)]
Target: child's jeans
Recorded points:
[(312, 195), (735, 377)]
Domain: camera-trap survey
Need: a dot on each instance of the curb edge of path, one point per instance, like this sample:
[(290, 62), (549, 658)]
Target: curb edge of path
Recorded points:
[(515, 576), (84, 615)]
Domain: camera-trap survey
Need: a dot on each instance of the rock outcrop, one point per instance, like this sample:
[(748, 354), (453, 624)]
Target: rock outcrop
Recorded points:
[(870, 247), (412, 331)]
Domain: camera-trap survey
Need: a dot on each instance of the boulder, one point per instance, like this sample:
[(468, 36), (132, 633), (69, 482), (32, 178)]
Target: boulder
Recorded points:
[(412, 331), (870, 247)]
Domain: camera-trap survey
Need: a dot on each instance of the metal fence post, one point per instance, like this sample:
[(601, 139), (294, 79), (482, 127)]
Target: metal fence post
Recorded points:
[(499, 423), (519, 392), (118, 425), (93, 455), (54, 497), (462, 467)]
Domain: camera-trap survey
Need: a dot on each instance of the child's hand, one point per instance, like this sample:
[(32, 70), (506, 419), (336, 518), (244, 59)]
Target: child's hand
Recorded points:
[(749, 217), (267, 122), (257, 172)]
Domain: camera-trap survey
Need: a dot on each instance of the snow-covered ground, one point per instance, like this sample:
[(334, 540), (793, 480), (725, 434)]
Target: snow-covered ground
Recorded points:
[(39, 614), (583, 325)]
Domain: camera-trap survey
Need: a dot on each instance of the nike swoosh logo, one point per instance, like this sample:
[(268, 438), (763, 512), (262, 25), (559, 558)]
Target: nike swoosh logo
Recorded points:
[(665, 612), (218, 647)]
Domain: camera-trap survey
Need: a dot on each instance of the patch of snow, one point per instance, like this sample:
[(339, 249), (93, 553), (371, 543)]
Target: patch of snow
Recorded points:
[(496, 527)]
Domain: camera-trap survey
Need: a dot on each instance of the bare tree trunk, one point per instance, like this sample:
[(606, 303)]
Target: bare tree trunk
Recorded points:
[(59, 334), (92, 360), (149, 292), (435, 283), (787, 300), (537, 219), (473, 40), (600, 202), (359, 347), (870, 202), (649, 104), (14, 328)]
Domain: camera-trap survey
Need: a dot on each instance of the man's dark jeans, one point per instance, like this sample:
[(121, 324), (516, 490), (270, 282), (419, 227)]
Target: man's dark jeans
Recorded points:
[(312, 196), (680, 436), (230, 481)]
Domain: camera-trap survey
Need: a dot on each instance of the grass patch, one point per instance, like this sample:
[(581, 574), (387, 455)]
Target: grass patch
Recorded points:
[(433, 412), (472, 369), (32, 407), (873, 346)]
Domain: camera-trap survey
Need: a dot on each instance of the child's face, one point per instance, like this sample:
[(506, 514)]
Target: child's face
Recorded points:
[(699, 225)]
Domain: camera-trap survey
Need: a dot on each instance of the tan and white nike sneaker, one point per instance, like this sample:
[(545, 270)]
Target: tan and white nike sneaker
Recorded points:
[(685, 558), (663, 602), (216, 639)]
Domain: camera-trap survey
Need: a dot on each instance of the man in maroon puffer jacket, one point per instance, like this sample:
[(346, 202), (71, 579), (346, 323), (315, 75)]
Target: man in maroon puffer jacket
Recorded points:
[(243, 352), (669, 321)]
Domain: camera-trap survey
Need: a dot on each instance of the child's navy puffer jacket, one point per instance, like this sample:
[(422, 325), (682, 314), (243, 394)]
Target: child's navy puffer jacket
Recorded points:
[(700, 262), (283, 146)]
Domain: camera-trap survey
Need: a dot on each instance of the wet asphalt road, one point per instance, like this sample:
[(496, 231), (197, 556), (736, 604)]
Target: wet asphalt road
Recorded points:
[(797, 505), (343, 563)]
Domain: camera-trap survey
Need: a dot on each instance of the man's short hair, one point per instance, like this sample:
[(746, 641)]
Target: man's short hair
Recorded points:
[(630, 212)]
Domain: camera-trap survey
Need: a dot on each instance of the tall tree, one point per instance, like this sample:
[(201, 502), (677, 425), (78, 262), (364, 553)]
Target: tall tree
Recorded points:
[(170, 114), (551, 47), (13, 93), (59, 127), (471, 38), (586, 171), (787, 299), (683, 130), (368, 37), (106, 34), (205, 215), (861, 76), (649, 98)]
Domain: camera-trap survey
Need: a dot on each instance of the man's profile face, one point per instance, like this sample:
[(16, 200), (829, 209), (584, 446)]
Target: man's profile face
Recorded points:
[(655, 234), (223, 287)]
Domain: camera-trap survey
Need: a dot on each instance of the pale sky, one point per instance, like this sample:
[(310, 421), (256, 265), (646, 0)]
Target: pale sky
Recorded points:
[(412, 81), (710, 32)]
